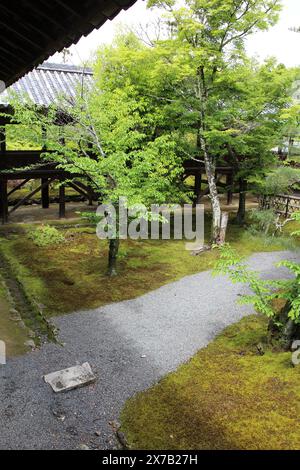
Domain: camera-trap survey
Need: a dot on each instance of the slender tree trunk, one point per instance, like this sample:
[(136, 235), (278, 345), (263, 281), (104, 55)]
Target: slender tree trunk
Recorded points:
[(240, 218), (114, 245), (214, 196), (202, 94), (284, 329), (223, 229)]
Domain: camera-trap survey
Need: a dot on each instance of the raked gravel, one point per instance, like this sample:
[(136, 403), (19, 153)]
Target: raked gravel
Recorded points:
[(130, 346)]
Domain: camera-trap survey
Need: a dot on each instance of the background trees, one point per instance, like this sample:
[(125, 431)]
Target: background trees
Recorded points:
[(106, 137), (243, 100), (207, 42)]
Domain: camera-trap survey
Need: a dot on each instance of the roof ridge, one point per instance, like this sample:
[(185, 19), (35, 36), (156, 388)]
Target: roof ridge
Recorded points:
[(70, 68)]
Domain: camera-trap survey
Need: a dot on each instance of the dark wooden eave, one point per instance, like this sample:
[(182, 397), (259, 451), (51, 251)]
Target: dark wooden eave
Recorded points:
[(33, 30)]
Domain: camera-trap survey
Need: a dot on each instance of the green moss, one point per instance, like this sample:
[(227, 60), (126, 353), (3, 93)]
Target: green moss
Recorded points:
[(10, 332), (72, 275), (226, 397)]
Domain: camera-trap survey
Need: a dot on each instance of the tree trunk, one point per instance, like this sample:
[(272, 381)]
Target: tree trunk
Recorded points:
[(240, 218), (202, 95), (283, 329), (223, 229), (114, 245), (214, 196)]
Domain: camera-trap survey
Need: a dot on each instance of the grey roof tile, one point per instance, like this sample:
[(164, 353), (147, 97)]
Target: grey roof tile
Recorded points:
[(45, 84)]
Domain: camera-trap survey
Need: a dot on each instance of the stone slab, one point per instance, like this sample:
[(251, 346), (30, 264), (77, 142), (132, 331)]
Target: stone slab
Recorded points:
[(70, 379)]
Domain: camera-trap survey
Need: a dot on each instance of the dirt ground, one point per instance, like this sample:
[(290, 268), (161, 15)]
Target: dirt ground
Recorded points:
[(35, 213)]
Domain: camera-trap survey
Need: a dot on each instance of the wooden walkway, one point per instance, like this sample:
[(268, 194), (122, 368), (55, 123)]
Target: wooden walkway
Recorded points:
[(28, 165)]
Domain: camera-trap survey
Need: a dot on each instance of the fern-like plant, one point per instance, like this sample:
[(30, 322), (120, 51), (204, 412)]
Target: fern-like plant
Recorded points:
[(284, 324)]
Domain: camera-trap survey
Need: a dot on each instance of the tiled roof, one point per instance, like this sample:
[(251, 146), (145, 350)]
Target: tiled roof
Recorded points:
[(48, 82)]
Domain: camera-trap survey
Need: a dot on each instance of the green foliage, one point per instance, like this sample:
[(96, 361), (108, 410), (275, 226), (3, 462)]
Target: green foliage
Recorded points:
[(263, 220), (194, 93), (207, 76), (264, 291), (278, 181), (20, 137), (45, 236), (296, 217), (91, 217), (236, 268)]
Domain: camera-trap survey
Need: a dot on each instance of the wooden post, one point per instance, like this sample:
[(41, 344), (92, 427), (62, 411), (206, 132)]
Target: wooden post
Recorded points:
[(2, 139), (45, 194), (62, 201), (229, 184), (44, 138), (90, 194), (197, 189), (3, 200), (240, 218), (287, 207), (3, 181)]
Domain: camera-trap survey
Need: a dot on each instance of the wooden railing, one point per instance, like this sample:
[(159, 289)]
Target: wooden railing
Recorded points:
[(283, 204)]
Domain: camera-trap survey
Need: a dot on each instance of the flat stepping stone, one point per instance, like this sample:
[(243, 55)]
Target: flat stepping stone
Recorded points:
[(70, 379)]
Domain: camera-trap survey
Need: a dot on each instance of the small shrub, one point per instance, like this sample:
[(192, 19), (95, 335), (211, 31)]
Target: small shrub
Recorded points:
[(284, 324), (263, 221), (46, 236)]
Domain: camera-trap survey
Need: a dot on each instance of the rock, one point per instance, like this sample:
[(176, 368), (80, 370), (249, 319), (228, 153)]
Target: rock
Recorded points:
[(260, 349), (115, 425), (83, 447), (72, 431), (31, 334), (98, 433), (30, 344), (59, 415), (201, 249), (15, 318), (14, 315), (21, 324), (122, 439), (13, 311), (70, 379), (296, 353)]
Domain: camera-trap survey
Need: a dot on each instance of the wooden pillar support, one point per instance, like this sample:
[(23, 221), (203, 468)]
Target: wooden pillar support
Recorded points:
[(90, 194), (3, 201), (229, 184), (198, 187), (2, 139), (45, 193), (62, 201)]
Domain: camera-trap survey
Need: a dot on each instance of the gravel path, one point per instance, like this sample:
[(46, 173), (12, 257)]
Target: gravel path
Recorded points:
[(130, 345)]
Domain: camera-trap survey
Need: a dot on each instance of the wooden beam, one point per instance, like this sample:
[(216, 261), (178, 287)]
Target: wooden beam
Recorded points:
[(78, 189), (29, 196), (19, 186)]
